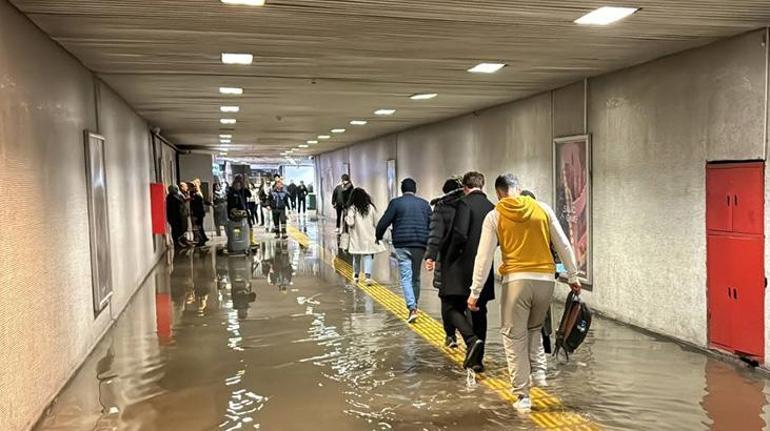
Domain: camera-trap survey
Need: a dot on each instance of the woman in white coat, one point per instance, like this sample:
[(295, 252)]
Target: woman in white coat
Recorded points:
[(361, 222)]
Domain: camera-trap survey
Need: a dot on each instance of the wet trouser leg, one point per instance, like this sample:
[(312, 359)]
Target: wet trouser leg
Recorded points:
[(303, 205), (339, 216), (453, 312), (479, 320), (409, 260), (522, 311)]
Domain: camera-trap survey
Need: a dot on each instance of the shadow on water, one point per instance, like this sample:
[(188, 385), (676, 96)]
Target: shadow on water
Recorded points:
[(278, 341)]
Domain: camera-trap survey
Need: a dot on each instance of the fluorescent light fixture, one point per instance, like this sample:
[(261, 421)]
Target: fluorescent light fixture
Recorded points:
[(231, 90), (304, 146), (225, 136), (423, 96), (312, 141), (225, 141), (385, 111), (229, 108), (324, 136), (339, 130), (245, 2), (486, 67), (227, 121), (232, 58), (358, 122), (605, 15)]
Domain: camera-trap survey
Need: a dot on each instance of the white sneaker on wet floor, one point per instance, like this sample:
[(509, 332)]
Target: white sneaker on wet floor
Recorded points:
[(523, 405), (369, 281), (539, 379), (412, 317)]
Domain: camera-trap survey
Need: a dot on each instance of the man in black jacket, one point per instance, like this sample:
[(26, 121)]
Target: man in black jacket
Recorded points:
[(444, 208), (341, 198), (292, 190), (302, 193), (457, 274), (174, 215)]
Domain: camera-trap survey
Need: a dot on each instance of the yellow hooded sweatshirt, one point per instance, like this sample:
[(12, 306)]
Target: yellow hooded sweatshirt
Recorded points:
[(524, 236)]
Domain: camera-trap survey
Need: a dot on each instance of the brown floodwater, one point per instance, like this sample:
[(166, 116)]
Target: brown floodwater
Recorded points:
[(279, 341)]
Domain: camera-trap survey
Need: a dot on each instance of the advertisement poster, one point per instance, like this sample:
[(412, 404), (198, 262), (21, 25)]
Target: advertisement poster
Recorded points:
[(392, 180), (572, 195)]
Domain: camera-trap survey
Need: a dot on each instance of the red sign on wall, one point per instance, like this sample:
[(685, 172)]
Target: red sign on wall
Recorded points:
[(158, 206)]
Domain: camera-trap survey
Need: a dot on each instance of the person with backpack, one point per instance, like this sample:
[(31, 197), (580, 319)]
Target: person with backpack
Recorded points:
[(360, 221), (279, 203), (525, 229), (444, 208)]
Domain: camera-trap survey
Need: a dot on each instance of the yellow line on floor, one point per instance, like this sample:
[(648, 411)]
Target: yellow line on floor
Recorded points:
[(549, 413)]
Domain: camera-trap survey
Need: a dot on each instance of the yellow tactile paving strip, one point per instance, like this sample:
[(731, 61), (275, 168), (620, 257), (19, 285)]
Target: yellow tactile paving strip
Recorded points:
[(548, 411)]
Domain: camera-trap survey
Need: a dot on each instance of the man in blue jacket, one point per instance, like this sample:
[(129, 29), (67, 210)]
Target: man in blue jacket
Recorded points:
[(410, 217)]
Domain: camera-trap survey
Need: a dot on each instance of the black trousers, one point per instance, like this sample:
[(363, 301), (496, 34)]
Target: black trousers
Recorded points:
[(279, 220), (293, 200), (470, 324), (198, 231), (301, 205), (252, 212), (339, 216)]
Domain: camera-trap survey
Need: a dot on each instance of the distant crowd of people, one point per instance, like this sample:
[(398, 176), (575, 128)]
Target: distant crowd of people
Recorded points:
[(456, 236), (241, 201)]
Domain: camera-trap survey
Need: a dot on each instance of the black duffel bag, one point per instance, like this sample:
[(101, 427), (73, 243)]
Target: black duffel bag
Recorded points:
[(574, 325)]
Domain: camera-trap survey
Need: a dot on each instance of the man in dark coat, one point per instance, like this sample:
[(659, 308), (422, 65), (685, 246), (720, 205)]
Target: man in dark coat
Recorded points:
[(279, 203), (302, 193), (292, 190), (341, 198), (410, 217), (444, 208), (198, 211), (174, 211), (457, 273)]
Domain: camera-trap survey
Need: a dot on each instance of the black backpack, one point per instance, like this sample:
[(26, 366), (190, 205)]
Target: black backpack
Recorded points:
[(574, 325)]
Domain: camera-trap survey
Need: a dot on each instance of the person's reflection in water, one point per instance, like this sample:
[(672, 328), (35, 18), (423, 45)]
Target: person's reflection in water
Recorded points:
[(280, 272)]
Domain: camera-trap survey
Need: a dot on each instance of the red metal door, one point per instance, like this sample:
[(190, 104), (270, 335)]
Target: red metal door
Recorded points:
[(748, 283), (735, 257), (720, 304), (748, 200), (718, 199)]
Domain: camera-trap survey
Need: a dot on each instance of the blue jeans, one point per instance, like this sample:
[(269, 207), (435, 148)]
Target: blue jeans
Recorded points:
[(409, 266), (367, 260)]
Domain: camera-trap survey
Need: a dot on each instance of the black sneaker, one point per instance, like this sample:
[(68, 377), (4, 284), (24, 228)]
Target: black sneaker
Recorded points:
[(478, 368), (473, 355), (450, 342), (284, 236), (277, 235)]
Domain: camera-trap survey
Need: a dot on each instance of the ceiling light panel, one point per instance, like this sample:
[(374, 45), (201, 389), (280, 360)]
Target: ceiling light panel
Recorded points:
[(225, 136), (234, 58), (312, 142), (227, 121), (304, 146), (245, 2), (231, 90), (606, 15), (423, 96), (225, 141), (229, 108), (358, 122), (385, 111), (324, 136), (486, 67), (339, 130)]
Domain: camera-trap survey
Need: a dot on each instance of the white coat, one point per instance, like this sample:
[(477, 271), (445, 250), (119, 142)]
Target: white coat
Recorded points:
[(362, 232)]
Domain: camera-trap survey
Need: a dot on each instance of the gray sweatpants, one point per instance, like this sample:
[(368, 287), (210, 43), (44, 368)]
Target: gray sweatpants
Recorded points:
[(523, 308)]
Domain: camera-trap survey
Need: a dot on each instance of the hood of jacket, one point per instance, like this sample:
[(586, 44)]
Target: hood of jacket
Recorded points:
[(449, 198), (518, 209)]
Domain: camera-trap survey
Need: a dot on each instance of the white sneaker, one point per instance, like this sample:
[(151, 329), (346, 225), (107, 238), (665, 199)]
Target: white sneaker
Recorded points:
[(539, 379), (523, 405), (412, 316), (369, 282)]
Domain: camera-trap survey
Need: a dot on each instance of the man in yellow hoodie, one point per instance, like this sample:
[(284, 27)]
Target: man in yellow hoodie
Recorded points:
[(524, 228)]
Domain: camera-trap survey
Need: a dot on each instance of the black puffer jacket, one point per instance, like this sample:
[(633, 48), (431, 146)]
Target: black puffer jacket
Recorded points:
[(444, 208)]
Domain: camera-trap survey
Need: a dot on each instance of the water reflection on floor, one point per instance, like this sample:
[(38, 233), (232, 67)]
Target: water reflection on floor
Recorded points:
[(278, 341)]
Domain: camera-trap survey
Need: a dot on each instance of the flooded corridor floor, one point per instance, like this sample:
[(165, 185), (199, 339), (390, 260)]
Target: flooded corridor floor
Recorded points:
[(281, 341)]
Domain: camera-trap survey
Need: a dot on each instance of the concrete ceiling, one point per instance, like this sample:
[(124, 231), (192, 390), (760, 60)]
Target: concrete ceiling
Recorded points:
[(320, 63)]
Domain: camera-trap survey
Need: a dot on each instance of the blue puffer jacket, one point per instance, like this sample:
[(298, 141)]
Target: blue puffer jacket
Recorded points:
[(410, 217)]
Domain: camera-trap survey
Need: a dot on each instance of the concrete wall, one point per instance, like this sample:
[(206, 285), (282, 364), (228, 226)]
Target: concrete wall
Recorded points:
[(47, 323), (654, 127)]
